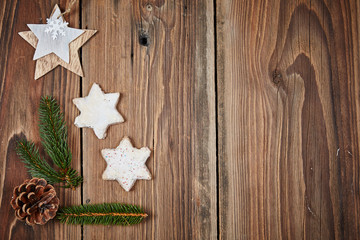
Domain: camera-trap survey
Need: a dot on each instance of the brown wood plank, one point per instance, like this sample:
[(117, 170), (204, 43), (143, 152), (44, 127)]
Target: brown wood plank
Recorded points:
[(160, 57), (288, 92), (19, 100)]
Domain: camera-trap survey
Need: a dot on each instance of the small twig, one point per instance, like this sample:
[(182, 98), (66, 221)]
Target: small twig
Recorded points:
[(68, 9), (90, 214)]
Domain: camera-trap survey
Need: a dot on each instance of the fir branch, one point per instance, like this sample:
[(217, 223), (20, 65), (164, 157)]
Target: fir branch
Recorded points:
[(37, 166), (53, 132), (104, 214)]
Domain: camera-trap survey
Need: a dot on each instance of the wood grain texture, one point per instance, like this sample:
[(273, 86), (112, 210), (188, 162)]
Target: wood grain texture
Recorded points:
[(160, 56), (288, 101), (286, 151), (19, 101)]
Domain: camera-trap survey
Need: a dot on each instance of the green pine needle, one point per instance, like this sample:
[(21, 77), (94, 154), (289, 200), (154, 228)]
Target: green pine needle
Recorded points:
[(53, 132), (104, 214), (37, 166)]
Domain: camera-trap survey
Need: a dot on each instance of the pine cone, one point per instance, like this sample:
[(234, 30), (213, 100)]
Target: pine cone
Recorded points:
[(35, 201)]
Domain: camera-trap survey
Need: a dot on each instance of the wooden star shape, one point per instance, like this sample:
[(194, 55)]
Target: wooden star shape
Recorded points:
[(126, 164), (98, 111), (47, 63)]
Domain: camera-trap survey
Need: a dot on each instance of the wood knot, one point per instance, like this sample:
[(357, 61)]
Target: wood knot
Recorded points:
[(149, 7), (144, 39), (276, 77)]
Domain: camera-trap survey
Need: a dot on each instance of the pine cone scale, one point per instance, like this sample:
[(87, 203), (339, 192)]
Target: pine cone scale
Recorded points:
[(18, 202), (31, 196), (39, 190), (20, 214), (30, 221), (22, 188), (38, 218), (31, 210), (23, 197), (30, 187), (13, 204), (46, 197)]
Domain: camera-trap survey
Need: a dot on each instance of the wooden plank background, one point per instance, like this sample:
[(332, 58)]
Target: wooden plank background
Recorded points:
[(251, 110)]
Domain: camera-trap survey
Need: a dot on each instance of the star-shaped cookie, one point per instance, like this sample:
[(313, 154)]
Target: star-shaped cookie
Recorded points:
[(98, 111), (126, 164), (56, 44)]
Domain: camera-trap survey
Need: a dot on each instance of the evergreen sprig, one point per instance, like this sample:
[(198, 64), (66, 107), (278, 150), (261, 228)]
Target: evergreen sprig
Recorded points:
[(104, 214), (37, 166), (53, 132)]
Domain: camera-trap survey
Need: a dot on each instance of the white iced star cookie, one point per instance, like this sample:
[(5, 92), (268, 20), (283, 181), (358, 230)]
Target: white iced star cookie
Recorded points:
[(98, 111), (126, 164)]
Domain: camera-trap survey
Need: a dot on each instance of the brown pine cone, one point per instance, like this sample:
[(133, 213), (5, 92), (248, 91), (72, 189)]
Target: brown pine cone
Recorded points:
[(35, 201)]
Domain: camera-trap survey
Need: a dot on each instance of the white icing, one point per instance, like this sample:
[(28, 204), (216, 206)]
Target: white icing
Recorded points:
[(98, 111), (126, 164)]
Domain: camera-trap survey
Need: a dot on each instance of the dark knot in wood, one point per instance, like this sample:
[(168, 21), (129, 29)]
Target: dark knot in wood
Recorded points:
[(144, 39), (276, 77)]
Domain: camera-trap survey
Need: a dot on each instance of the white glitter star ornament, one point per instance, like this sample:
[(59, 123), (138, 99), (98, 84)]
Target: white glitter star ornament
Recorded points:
[(126, 164), (98, 111), (56, 44)]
